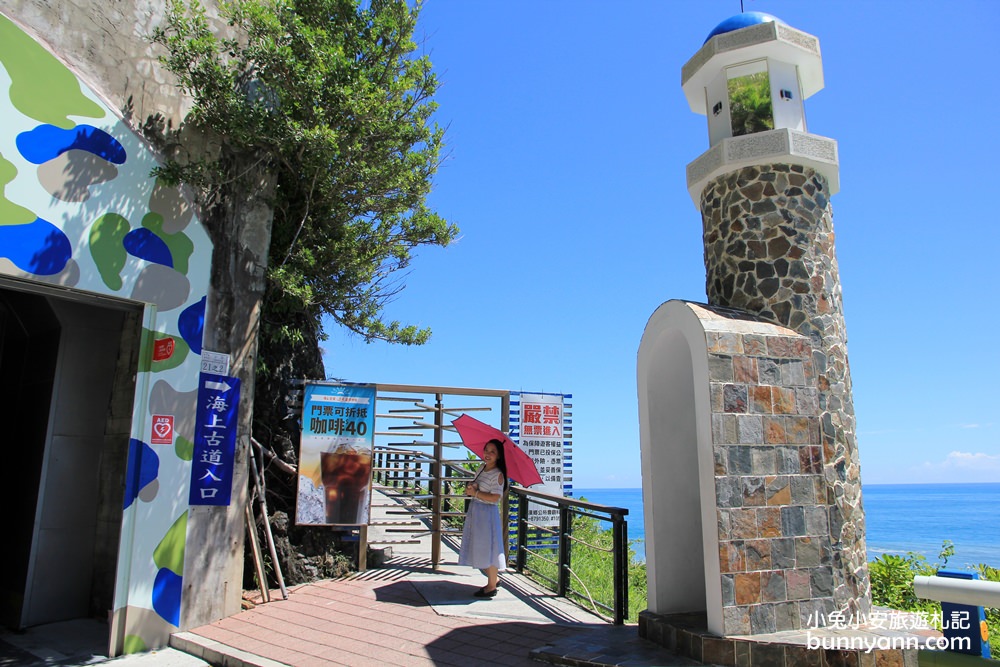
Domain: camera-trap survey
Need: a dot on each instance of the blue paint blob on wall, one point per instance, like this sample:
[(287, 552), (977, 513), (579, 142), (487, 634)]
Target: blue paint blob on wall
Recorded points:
[(142, 468), (38, 247), (191, 324), (45, 142), (167, 595), (144, 244)]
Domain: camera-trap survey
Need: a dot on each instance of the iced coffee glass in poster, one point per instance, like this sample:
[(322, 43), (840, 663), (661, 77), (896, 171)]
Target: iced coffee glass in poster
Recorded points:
[(335, 454)]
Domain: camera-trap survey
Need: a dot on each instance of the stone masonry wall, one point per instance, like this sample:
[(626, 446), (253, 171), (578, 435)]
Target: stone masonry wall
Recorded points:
[(774, 541), (769, 251)]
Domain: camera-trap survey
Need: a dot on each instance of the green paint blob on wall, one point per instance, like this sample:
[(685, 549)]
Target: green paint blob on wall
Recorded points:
[(181, 247), (169, 552), (106, 247), (41, 86), (133, 644), (11, 213), (183, 448)]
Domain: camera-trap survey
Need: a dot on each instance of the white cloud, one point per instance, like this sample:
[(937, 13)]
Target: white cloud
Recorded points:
[(968, 459), (960, 467)]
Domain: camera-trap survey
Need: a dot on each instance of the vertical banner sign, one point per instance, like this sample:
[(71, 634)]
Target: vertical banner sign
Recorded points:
[(335, 454), (544, 433), (216, 415)]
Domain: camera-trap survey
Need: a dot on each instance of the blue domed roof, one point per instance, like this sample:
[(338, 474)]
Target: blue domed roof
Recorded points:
[(744, 20)]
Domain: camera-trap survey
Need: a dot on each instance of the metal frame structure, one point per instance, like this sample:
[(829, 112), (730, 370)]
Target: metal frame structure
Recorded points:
[(414, 471), (404, 466)]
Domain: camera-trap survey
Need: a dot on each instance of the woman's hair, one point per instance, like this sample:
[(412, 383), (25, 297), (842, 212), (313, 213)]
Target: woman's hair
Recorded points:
[(501, 461)]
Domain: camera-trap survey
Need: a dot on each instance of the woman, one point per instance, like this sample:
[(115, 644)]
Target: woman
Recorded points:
[(482, 536)]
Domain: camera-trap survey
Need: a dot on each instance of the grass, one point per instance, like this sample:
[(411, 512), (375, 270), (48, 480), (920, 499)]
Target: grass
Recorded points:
[(892, 587), (592, 568)]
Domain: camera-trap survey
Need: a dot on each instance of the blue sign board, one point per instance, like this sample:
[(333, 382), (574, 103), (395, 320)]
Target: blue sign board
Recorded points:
[(217, 418), (965, 623)]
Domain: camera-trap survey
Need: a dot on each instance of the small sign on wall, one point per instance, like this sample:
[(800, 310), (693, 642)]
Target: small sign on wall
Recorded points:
[(162, 430), (216, 363), (163, 349)]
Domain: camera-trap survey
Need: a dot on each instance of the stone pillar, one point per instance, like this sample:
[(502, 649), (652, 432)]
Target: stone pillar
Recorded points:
[(769, 251)]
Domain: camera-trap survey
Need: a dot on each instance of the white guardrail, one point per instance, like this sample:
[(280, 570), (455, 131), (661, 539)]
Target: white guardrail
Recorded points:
[(975, 592)]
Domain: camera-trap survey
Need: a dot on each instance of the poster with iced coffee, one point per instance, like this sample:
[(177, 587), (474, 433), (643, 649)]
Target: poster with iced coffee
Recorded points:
[(335, 454)]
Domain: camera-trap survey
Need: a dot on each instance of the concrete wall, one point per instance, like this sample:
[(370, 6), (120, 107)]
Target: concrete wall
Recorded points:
[(82, 212), (64, 545), (107, 44)]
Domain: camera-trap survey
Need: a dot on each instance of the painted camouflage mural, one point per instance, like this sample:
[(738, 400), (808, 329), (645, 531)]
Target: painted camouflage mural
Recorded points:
[(79, 209)]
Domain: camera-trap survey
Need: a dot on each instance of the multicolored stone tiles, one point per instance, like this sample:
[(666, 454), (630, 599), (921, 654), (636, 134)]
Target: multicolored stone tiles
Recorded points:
[(788, 479), (774, 543)]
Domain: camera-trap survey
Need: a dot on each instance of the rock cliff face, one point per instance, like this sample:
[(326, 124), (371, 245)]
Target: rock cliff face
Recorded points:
[(304, 554)]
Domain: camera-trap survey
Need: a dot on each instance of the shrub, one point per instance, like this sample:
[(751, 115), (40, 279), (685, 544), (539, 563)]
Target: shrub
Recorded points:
[(892, 579), (892, 586)]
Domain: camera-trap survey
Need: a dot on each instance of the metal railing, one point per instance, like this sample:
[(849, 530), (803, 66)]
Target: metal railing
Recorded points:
[(408, 475), (411, 467), (538, 541), (973, 592)]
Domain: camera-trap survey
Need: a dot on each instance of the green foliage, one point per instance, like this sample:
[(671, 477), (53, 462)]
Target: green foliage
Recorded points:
[(892, 586), (329, 96), (750, 104), (892, 580), (593, 569)]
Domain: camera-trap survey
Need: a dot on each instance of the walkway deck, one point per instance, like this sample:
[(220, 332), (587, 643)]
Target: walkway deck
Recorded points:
[(409, 614)]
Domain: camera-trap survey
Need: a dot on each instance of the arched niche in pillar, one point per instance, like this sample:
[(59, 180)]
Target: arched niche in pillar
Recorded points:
[(682, 543)]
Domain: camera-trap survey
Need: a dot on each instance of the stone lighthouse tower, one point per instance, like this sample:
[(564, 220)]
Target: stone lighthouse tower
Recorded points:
[(751, 477)]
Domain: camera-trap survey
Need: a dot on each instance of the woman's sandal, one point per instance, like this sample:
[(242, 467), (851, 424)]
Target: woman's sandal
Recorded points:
[(482, 593)]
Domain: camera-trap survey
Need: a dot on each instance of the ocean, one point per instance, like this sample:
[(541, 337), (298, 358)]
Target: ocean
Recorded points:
[(900, 518)]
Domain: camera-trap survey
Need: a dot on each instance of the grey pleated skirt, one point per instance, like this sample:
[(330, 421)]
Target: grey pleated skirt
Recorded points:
[(482, 538)]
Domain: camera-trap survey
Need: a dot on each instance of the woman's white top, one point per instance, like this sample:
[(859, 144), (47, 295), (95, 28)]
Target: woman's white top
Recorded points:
[(489, 481)]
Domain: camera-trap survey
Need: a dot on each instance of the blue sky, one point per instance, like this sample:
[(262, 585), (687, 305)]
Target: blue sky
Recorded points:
[(568, 136)]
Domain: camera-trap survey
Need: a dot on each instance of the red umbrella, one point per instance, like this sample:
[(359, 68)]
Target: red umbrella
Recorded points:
[(475, 434)]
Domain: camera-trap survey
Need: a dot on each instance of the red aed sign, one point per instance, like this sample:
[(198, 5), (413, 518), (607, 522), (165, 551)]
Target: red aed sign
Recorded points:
[(163, 349), (163, 430)]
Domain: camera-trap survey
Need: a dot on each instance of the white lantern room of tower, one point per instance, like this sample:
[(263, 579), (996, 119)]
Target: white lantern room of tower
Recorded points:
[(745, 45)]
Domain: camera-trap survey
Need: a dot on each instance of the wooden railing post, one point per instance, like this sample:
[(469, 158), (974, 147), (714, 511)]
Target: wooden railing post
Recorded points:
[(565, 528), (522, 532)]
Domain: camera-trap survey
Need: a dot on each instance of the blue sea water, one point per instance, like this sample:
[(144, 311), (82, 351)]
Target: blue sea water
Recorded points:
[(900, 518)]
